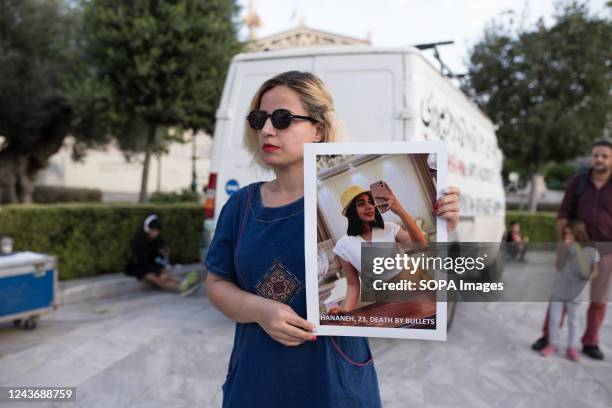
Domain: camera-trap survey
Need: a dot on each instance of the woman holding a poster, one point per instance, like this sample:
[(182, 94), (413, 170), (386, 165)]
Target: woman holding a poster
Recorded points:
[(256, 265), (365, 224)]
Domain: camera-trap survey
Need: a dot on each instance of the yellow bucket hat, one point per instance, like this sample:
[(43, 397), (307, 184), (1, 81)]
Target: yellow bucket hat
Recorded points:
[(349, 195)]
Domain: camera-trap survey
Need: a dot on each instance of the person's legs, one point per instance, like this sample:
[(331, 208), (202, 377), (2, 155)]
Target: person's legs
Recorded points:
[(169, 277), (572, 321), (554, 317), (595, 317), (600, 288), (163, 283), (521, 252), (543, 341), (555, 312), (545, 325)]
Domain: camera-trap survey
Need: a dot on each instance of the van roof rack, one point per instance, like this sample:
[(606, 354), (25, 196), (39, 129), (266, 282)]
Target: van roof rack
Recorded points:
[(444, 69)]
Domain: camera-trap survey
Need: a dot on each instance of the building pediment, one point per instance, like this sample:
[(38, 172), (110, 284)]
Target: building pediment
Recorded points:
[(303, 37)]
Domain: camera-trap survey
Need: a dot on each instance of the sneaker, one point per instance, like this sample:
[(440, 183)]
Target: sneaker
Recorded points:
[(540, 344), (190, 284), (572, 354), (593, 351), (548, 350)]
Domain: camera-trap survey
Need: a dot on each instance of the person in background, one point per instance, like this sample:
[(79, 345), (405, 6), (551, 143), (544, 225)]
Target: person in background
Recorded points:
[(588, 198), (576, 264), (517, 245), (149, 261)]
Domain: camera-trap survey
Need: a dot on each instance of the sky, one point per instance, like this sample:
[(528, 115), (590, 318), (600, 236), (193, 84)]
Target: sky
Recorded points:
[(402, 22)]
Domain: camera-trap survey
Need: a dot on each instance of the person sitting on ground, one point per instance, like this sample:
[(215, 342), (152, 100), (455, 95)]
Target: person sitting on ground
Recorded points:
[(517, 245), (149, 260)]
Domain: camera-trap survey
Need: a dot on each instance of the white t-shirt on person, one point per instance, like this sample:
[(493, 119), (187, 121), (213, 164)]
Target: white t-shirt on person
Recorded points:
[(349, 247)]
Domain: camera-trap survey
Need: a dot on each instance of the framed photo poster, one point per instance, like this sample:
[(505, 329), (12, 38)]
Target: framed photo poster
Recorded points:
[(366, 206)]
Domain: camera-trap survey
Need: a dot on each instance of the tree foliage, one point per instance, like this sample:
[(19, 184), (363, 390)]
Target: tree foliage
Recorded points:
[(547, 88), (38, 54), (154, 65)]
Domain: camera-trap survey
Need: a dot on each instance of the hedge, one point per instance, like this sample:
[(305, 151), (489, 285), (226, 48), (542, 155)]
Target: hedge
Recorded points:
[(53, 194), (539, 227), (92, 239)]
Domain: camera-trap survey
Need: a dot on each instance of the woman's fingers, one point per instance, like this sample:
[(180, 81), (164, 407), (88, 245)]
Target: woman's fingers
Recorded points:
[(448, 210), (295, 333), (447, 206), (290, 335), (447, 199), (452, 190), (450, 195), (295, 320), (450, 213)]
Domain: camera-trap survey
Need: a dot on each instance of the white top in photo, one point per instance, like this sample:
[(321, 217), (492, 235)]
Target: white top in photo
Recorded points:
[(349, 247)]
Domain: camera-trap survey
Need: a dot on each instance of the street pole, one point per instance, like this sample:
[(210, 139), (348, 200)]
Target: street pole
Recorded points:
[(194, 182)]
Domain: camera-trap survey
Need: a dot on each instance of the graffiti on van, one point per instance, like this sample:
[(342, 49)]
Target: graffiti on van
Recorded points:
[(445, 125), (472, 170), (471, 205)]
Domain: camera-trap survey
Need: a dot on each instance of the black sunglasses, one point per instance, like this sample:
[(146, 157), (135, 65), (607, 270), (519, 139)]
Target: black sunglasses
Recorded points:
[(281, 119)]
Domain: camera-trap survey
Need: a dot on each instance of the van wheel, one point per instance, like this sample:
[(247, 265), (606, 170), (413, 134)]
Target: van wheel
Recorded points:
[(30, 323), (451, 307), (451, 295), (494, 271), (450, 313)]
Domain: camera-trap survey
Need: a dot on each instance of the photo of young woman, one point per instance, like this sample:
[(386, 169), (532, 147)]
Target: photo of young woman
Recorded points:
[(365, 224)]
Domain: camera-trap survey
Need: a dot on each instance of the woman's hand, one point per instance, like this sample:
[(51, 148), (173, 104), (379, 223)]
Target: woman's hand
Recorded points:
[(394, 205), (283, 324), (447, 207)]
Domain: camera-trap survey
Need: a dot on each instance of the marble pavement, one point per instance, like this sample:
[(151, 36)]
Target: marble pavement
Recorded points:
[(155, 349)]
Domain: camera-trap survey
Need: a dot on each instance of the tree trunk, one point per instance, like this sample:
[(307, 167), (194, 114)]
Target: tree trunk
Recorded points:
[(146, 165), (537, 188), (8, 178), (19, 168)]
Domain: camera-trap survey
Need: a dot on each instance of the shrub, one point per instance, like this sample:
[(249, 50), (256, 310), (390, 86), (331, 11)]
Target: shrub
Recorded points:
[(183, 196), (95, 239), (558, 175), (540, 227), (52, 194)]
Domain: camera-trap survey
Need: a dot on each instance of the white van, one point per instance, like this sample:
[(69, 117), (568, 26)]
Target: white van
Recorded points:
[(386, 94)]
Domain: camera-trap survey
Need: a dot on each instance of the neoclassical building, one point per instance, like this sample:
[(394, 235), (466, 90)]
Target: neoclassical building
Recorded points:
[(303, 36), (300, 36)]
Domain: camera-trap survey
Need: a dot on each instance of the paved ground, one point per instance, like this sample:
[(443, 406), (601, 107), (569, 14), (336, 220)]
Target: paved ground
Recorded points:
[(153, 349)]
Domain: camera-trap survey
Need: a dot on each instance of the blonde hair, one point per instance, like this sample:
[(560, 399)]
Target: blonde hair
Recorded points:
[(316, 100)]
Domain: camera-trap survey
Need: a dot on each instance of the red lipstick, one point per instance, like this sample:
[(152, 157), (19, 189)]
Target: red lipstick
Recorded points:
[(267, 147)]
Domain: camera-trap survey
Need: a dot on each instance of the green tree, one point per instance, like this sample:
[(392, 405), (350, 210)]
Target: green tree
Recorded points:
[(154, 65), (38, 54), (548, 89)]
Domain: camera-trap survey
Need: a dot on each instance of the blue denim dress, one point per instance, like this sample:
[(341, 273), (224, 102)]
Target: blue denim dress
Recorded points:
[(261, 249)]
